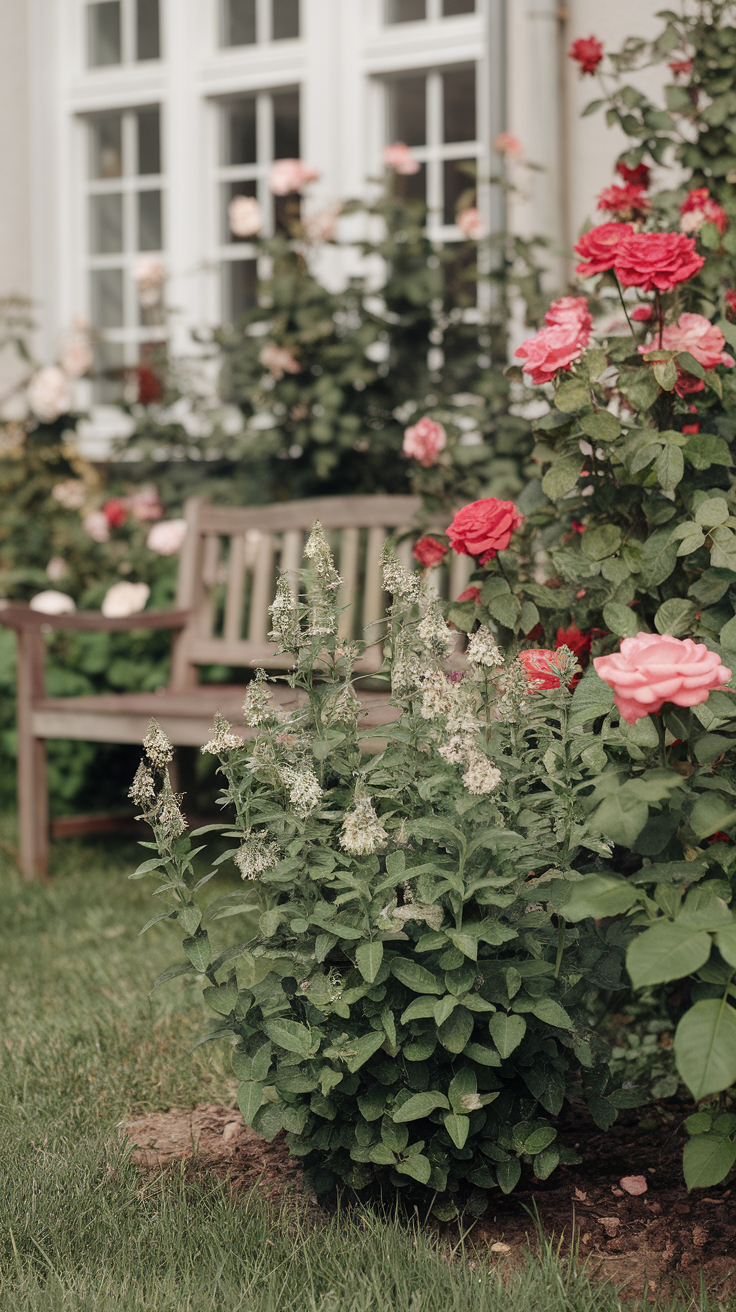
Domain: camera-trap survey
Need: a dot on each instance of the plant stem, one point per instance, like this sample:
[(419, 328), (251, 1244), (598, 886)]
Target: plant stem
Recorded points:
[(623, 304), (661, 734)]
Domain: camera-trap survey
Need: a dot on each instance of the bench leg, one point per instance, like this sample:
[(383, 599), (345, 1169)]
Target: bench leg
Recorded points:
[(33, 801)]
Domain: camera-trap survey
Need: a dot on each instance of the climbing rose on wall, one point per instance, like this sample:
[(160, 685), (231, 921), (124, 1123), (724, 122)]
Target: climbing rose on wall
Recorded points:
[(588, 52)]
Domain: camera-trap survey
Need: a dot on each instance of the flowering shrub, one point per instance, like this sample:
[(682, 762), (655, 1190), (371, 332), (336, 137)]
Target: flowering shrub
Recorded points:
[(412, 1007)]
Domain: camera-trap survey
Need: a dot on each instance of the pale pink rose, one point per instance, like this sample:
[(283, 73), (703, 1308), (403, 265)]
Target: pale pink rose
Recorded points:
[(654, 668), (49, 394), (550, 350), (322, 226), (52, 603), (70, 494), (144, 505), (506, 144), (696, 334), (244, 216), (571, 311), (399, 157), (470, 223), (290, 175), (56, 568), (278, 360), (97, 526), (124, 599), (424, 441), (77, 357), (167, 537), (149, 276)]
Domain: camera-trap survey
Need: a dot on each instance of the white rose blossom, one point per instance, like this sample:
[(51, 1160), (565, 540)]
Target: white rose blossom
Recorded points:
[(49, 394), (124, 599)]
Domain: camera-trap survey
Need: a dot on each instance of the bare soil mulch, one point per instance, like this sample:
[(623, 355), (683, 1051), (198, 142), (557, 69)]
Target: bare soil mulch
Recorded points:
[(657, 1241)]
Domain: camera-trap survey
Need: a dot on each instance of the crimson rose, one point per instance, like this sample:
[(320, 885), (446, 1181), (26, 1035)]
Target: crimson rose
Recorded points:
[(656, 261), (588, 51), (599, 247), (429, 552), (484, 528)]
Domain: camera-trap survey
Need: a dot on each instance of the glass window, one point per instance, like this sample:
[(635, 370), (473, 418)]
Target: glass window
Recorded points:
[(106, 147), (106, 224), (238, 22), (239, 131), (247, 187), (458, 182), (408, 110), (107, 298), (450, 7), (239, 284), (147, 29), (458, 105), (286, 125), (148, 134), (150, 236), (284, 20), (104, 44), (406, 11)]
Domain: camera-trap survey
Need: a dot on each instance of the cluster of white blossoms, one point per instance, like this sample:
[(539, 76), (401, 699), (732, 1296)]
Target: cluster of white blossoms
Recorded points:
[(362, 833), (394, 918), (142, 791), (223, 739), (438, 695), (157, 747), (322, 589), (407, 669), (168, 816), (481, 775), (255, 855), (285, 617), (346, 707), (304, 790), (403, 585), (434, 634), (257, 708), (483, 649)]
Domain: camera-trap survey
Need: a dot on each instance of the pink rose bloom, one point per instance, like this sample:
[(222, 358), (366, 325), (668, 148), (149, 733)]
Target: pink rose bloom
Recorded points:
[(700, 208), (166, 537), (571, 311), (654, 668), (244, 216), (424, 441), (149, 276), (145, 505), (278, 360), (399, 157), (470, 223), (642, 313), (696, 334), (550, 350), (290, 175), (76, 357), (49, 395), (95, 523), (506, 144)]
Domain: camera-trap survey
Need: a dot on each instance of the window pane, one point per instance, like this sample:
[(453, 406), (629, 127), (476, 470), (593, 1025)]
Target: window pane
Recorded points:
[(405, 11), (105, 225), (148, 30), (458, 103), (149, 221), (284, 20), (106, 147), (103, 33), (460, 183), (408, 110), (149, 140), (286, 125), (239, 280), (287, 211), (238, 22), (108, 372), (228, 191), (457, 7), (239, 132), (412, 186), (107, 298)]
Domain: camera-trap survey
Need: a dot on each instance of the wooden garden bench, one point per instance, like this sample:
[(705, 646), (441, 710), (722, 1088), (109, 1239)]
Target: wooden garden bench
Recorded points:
[(227, 575)]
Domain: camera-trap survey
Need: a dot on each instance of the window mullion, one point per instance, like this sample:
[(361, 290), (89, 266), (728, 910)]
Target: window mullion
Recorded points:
[(264, 154), (263, 21), (128, 33), (434, 139)]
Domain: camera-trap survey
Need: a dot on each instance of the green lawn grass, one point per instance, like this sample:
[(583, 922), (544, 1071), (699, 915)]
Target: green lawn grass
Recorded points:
[(82, 1046)]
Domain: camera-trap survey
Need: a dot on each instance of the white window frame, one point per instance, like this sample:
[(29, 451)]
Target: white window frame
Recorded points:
[(132, 334), (128, 34), (264, 31), (433, 15)]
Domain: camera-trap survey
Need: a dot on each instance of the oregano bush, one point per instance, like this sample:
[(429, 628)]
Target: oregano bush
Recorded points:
[(412, 1009)]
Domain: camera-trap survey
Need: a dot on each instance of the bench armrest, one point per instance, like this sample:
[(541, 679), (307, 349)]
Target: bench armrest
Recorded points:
[(19, 616)]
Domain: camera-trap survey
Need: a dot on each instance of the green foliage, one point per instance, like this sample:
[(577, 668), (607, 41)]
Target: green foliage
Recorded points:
[(413, 1010)]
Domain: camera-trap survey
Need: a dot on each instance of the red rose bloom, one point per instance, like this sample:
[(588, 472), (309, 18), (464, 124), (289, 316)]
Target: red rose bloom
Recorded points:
[(627, 202), (599, 247), (470, 594), (656, 261), (642, 313), (638, 176), (579, 643), (150, 390), (731, 305), (429, 552), (700, 208), (681, 66), (115, 512), (484, 528), (588, 51), (542, 668), (691, 428)]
